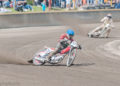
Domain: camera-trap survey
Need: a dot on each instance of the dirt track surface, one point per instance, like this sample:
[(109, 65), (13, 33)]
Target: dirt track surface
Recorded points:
[(93, 65)]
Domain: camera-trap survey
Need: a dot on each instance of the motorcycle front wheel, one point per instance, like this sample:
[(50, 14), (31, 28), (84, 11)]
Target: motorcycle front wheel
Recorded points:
[(71, 57)]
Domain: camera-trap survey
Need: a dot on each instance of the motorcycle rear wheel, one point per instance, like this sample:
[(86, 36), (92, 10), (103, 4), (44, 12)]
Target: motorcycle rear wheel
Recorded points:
[(37, 62)]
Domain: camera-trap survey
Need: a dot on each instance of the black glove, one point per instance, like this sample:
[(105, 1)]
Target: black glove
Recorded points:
[(79, 47)]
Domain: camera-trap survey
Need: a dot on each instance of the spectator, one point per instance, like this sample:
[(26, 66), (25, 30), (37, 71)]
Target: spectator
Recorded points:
[(27, 6), (6, 4), (68, 4), (91, 2), (53, 3), (11, 4), (117, 5), (73, 4), (58, 3), (36, 2), (23, 6), (43, 6), (79, 3), (19, 6), (88, 2), (62, 3), (100, 1), (1, 3)]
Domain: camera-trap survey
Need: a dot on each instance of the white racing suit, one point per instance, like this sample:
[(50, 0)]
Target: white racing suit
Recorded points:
[(103, 30)]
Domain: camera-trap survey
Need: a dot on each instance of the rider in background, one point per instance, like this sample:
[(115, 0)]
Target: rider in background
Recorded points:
[(63, 43), (107, 20)]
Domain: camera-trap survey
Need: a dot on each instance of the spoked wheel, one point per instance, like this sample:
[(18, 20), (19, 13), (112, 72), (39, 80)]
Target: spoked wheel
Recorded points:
[(71, 57), (37, 62)]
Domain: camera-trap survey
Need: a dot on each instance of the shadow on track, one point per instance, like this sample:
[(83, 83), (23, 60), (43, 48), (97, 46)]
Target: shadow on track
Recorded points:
[(114, 37), (47, 64), (75, 65), (84, 64)]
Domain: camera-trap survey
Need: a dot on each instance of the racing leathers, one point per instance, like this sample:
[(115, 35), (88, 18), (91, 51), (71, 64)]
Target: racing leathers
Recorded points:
[(63, 44), (104, 29)]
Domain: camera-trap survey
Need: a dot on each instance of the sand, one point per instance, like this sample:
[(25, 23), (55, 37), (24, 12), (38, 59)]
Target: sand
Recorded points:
[(92, 66)]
